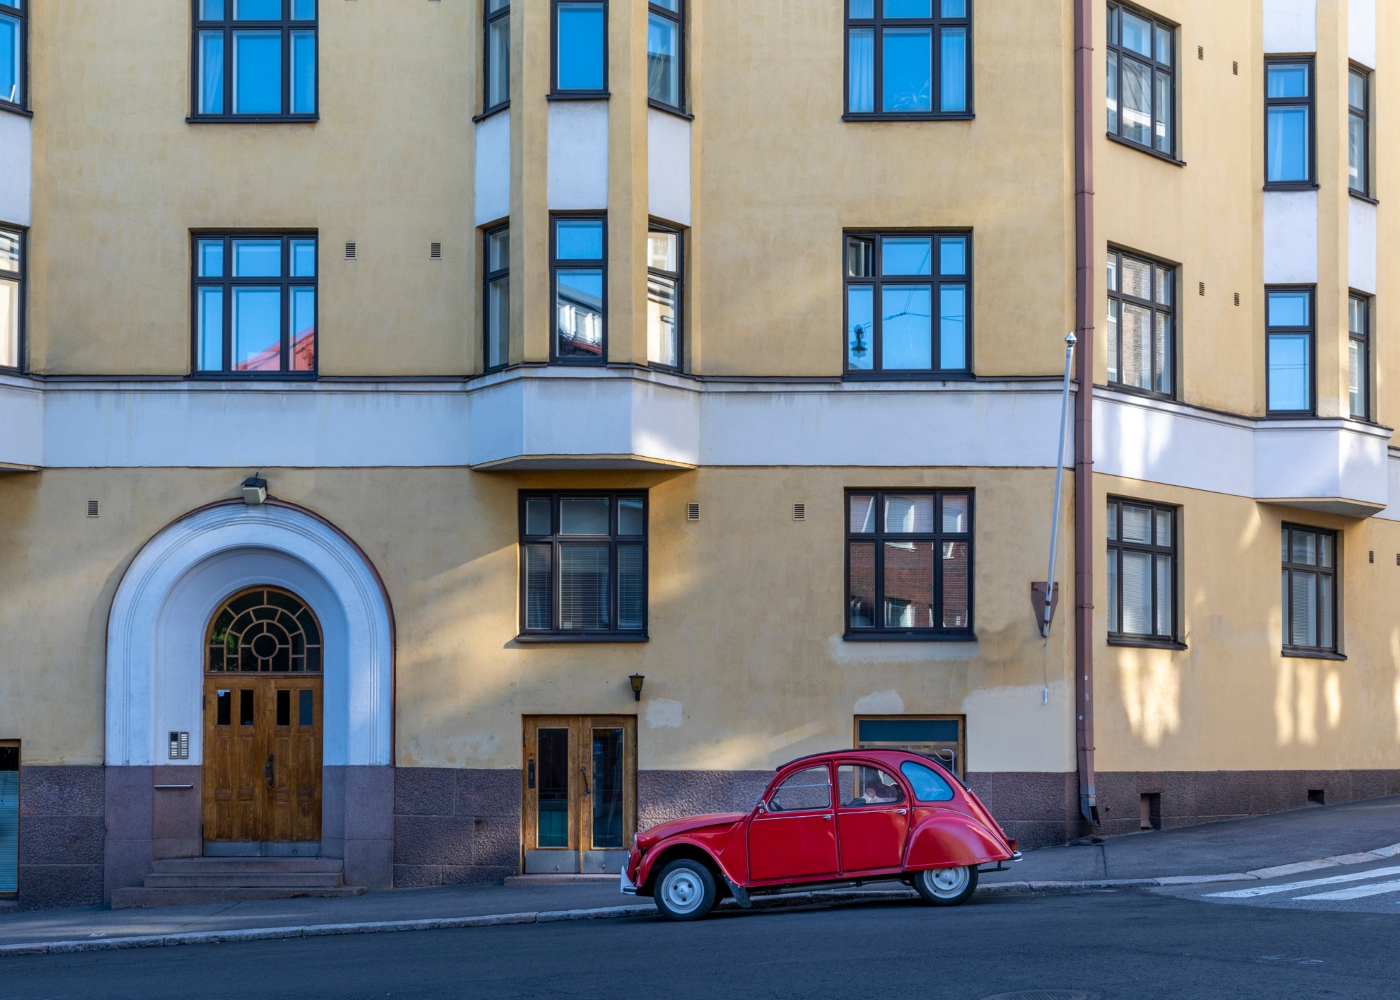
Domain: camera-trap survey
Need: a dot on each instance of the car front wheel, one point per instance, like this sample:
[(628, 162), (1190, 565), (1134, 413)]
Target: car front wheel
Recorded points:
[(685, 890), (946, 886)]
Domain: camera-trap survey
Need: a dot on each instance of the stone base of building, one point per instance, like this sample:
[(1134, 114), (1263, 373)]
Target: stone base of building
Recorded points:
[(85, 830)]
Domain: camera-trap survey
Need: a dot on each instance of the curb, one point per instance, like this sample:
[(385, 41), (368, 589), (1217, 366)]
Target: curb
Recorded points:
[(646, 909)]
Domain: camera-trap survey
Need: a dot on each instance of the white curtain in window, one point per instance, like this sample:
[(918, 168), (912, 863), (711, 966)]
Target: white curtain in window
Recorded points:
[(862, 96)]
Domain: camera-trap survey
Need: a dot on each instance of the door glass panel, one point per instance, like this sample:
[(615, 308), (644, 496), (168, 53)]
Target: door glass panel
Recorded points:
[(553, 796), (284, 707), (9, 819), (245, 707), (225, 707), (305, 712), (607, 788), (809, 788), (862, 786)]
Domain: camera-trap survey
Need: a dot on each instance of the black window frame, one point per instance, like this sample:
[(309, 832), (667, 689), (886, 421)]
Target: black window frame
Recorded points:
[(21, 14), (554, 539), (488, 18), (1116, 545), (285, 282), (20, 280), (1310, 102), (555, 266), (936, 537), (1363, 115), (935, 23), (677, 17), (1113, 48), (1331, 651), (228, 25), (557, 94), (1115, 293), (878, 281), (488, 277), (1311, 331), (677, 276), (1362, 337)]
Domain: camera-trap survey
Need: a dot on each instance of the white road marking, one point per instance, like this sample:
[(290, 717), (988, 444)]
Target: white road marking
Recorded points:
[(1269, 890), (1356, 892)]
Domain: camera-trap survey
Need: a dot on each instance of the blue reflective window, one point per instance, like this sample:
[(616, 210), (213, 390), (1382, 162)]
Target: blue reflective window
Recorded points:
[(255, 304), (579, 278), (12, 56), (894, 283), (927, 785), (1288, 113), (1141, 79), (1290, 350), (255, 58), (579, 41), (908, 58), (579, 239)]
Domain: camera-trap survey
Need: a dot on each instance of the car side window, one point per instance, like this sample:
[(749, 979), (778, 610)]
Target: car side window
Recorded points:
[(862, 785), (809, 788), (928, 786)]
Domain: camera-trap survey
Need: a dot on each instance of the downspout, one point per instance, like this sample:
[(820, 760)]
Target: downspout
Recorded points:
[(1084, 409)]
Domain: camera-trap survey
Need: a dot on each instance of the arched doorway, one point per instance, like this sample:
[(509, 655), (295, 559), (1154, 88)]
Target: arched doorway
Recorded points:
[(262, 724)]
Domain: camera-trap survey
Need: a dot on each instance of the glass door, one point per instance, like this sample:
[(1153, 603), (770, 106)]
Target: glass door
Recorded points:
[(580, 792)]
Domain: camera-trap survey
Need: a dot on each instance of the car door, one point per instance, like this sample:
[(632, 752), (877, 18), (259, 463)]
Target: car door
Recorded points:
[(872, 822), (792, 836)]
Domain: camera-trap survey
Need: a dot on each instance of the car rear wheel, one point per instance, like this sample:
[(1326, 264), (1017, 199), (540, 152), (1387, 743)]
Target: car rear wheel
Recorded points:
[(685, 890), (946, 886)]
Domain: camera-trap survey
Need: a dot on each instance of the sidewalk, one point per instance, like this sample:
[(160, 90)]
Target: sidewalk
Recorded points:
[(1232, 847)]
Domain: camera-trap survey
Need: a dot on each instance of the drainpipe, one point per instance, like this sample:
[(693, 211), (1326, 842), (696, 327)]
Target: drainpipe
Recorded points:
[(1084, 409)]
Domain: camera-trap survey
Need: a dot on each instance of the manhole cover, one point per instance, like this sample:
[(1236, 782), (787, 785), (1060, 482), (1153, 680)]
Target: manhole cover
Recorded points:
[(1042, 995)]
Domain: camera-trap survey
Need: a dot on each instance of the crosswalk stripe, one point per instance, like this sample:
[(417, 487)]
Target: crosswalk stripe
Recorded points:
[(1269, 890), (1356, 892)]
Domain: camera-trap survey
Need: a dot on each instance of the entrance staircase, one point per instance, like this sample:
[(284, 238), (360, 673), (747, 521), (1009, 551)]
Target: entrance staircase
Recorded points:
[(217, 880)]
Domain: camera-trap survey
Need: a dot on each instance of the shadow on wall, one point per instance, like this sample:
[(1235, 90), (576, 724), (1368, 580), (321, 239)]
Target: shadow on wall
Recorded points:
[(1151, 690)]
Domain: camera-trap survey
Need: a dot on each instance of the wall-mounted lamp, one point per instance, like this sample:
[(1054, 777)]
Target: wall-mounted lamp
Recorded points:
[(254, 491), (636, 680)]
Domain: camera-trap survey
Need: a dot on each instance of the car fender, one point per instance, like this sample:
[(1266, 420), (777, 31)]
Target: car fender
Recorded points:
[(948, 839), (692, 847)]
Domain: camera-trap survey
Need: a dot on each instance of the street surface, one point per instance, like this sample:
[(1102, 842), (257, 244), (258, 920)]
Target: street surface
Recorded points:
[(1125, 943), (1368, 888)]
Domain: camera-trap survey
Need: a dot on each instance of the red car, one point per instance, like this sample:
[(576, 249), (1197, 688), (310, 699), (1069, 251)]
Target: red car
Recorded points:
[(897, 816)]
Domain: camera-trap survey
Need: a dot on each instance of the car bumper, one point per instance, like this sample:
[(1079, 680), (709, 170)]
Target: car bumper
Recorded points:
[(628, 889)]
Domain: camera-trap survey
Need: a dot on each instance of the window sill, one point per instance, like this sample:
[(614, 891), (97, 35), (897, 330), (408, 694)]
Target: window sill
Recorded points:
[(583, 637), (960, 116), (877, 376), (1291, 186), (252, 119), (670, 110), (253, 376), (579, 363), (874, 636), (1164, 157), (491, 113), (581, 95), (1144, 642), (1290, 415), (16, 109), (1312, 654), (1169, 397), (1363, 197)]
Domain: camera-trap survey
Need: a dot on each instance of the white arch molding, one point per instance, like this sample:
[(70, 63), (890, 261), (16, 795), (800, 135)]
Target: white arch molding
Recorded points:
[(156, 630)]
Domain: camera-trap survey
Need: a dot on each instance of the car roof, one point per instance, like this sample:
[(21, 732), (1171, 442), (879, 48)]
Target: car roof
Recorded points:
[(891, 757)]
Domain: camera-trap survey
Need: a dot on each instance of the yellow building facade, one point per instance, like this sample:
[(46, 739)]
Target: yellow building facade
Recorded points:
[(448, 436)]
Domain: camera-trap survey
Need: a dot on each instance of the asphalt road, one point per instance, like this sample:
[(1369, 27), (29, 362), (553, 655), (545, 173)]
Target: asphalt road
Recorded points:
[(1126, 943)]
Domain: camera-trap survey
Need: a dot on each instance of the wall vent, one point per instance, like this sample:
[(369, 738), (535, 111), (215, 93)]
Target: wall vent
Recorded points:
[(1237, 298), (1235, 68), (1200, 51), (350, 251), (799, 512), (435, 251), (692, 513), (94, 508), (1202, 286), (1371, 556)]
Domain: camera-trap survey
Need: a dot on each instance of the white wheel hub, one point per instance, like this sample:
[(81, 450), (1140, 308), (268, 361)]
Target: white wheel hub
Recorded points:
[(682, 891), (946, 883)]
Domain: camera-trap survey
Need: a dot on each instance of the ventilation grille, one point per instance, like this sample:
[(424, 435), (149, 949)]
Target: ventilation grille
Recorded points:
[(1237, 298), (94, 508), (1235, 68), (1200, 51), (799, 512), (350, 251), (435, 251), (1202, 286), (692, 513)]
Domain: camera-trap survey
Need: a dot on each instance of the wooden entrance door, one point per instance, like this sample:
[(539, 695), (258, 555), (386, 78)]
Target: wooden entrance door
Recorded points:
[(262, 758), (580, 792)]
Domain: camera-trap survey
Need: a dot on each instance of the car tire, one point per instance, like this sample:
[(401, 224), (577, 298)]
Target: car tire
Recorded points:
[(946, 886), (685, 890)]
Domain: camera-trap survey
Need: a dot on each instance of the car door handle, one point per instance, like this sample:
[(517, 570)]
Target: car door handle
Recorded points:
[(902, 812), (827, 816)]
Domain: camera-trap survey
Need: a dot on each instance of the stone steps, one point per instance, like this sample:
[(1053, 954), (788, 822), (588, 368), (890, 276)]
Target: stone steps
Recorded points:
[(173, 881)]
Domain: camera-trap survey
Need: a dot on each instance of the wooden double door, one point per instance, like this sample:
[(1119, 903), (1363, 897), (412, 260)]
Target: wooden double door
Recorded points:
[(262, 758), (580, 792)]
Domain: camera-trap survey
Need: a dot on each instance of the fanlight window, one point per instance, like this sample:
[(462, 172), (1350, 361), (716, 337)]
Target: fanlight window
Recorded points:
[(262, 631)]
